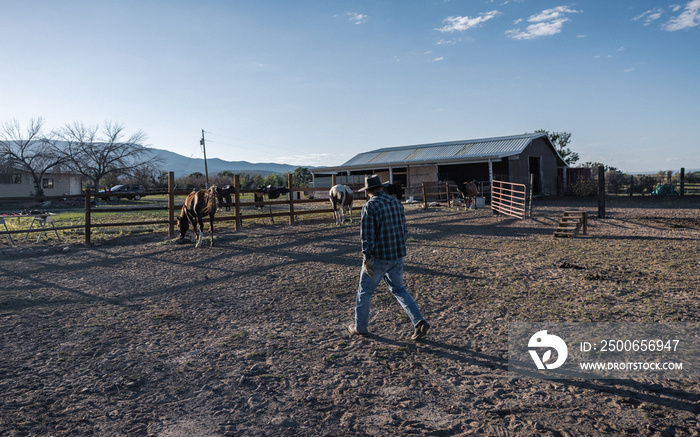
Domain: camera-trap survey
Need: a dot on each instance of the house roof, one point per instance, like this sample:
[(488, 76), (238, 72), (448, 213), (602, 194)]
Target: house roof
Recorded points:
[(454, 151)]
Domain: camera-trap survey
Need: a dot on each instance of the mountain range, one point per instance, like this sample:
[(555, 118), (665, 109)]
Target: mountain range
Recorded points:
[(183, 166)]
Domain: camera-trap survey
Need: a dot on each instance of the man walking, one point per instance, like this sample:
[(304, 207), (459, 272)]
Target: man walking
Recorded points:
[(383, 234)]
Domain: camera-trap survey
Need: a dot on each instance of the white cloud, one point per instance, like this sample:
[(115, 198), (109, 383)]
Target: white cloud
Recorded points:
[(357, 18), (438, 59), (552, 14), (690, 17), (460, 24), (649, 16), (546, 23)]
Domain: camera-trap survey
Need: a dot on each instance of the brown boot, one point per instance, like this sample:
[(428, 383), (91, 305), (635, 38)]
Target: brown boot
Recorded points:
[(354, 331), (421, 330)]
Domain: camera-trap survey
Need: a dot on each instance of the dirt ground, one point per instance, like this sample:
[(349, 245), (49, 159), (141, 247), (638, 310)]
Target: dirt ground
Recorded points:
[(142, 336)]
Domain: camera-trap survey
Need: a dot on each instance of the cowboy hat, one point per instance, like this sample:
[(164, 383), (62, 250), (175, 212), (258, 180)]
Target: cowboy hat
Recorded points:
[(373, 182)]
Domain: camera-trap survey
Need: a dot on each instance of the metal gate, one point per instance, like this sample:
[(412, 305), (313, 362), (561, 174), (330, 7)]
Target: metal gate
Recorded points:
[(508, 198)]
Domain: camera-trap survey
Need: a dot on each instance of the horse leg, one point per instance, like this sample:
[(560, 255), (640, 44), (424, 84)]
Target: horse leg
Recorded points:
[(199, 230), (211, 229), (342, 208)]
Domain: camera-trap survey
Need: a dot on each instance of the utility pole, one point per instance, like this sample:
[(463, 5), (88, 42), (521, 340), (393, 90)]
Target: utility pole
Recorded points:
[(206, 171)]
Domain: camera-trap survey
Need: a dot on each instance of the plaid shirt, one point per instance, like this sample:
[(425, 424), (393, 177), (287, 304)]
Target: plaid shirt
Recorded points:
[(383, 228)]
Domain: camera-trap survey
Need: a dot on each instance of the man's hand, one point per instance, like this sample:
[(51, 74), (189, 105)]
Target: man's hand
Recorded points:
[(369, 267)]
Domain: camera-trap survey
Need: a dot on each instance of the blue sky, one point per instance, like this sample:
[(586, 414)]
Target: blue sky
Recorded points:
[(315, 82)]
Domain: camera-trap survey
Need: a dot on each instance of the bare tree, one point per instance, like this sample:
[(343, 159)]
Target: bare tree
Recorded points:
[(146, 176), (31, 151), (95, 151)]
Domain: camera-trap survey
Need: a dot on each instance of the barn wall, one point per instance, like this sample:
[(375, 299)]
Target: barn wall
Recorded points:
[(519, 167), (422, 174)]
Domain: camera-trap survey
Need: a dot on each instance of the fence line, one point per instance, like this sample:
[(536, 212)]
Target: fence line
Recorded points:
[(580, 181), (508, 198), (173, 209), (426, 191)]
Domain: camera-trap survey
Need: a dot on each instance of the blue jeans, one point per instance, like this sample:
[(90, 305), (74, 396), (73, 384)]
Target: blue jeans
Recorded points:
[(391, 271)]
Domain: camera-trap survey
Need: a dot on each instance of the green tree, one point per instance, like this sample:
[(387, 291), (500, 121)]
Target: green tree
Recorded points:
[(224, 178), (226, 174), (301, 177), (561, 140), (195, 180), (273, 179)]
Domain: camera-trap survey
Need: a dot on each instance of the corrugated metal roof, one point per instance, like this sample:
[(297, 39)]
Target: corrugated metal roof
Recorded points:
[(469, 150)]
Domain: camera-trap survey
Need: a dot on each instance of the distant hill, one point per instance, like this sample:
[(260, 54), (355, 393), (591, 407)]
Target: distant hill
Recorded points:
[(184, 166)]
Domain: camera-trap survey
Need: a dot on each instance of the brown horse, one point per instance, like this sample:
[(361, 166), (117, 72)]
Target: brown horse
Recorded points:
[(197, 205), (469, 191)]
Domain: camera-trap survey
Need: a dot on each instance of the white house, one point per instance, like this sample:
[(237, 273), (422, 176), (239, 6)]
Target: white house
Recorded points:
[(19, 183)]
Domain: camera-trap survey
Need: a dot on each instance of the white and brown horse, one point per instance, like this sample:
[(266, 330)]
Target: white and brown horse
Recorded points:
[(341, 198), (197, 205)]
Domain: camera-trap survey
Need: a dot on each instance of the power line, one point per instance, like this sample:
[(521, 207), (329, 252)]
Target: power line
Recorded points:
[(244, 141)]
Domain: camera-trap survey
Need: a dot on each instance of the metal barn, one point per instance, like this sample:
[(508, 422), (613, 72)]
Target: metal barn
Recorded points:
[(511, 159)]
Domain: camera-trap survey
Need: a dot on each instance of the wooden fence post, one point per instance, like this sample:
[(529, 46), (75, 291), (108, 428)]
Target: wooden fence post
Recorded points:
[(333, 181), (425, 198), (447, 191), (532, 181), (601, 191), (631, 185), (171, 204), (237, 199), (682, 181), (87, 217), (290, 181)]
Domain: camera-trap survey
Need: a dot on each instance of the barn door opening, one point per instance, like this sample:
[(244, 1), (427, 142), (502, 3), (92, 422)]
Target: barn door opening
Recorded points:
[(536, 174)]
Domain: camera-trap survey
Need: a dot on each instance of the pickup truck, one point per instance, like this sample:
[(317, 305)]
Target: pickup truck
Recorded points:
[(122, 189)]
